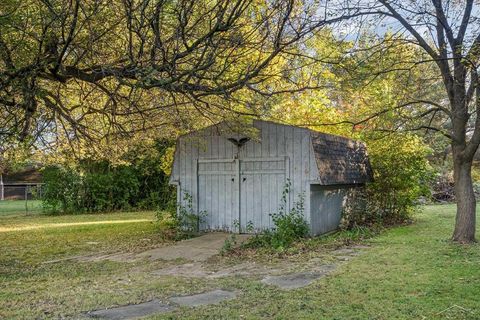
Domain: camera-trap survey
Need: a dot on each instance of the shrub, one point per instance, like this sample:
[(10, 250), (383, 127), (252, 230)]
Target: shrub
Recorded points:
[(95, 186), (443, 187), (401, 176), (125, 187), (62, 190), (98, 192), (289, 225), (182, 223), (152, 165), (109, 188)]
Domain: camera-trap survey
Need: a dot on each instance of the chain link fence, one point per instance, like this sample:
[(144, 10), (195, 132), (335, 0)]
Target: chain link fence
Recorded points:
[(20, 198)]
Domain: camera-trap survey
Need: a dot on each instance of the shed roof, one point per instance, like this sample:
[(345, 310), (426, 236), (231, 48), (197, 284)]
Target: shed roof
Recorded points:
[(341, 160), (29, 175)]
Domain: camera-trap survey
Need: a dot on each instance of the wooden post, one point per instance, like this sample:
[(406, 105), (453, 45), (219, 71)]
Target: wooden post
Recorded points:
[(2, 193), (26, 199)]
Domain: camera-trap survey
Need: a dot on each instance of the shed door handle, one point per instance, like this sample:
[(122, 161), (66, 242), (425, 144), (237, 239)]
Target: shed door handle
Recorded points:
[(244, 179)]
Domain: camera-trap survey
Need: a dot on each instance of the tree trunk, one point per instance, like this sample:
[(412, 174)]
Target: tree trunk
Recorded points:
[(466, 205)]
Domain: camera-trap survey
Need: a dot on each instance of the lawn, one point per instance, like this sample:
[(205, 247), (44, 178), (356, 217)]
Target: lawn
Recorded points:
[(409, 272), (17, 207)]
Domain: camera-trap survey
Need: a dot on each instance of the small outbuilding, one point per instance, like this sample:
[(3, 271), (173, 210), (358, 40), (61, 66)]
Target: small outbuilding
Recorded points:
[(236, 179)]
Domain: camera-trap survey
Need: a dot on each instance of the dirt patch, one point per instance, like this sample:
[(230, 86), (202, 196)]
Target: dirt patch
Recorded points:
[(286, 274), (199, 270), (196, 249), (218, 269)]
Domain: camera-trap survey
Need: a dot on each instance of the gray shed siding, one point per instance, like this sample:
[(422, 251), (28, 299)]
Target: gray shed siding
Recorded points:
[(280, 152), (242, 186), (326, 204)]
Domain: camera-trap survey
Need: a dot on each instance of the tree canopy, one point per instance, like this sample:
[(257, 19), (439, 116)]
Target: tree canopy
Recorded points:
[(95, 78), (95, 70)]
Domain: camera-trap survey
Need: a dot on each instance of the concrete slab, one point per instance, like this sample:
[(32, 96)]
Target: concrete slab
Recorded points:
[(201, 270), (360, 246), (133, 311), (189, 270), (196, 249), (325, 268), (300, 279), (344, 251), (292, 281), (206, 298), (343, 258)]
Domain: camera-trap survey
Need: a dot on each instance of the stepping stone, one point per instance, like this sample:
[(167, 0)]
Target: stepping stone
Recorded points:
[(344, 251), (344, 258), (133, 311), (325, 269), (294, 280), (360, 246), (192, 270), (206, 298)]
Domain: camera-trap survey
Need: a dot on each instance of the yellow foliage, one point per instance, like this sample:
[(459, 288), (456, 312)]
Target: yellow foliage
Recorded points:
[(166, 161)]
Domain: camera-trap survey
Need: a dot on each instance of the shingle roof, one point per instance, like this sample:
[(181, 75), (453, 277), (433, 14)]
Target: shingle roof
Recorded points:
[(30, 175), (341, 160)]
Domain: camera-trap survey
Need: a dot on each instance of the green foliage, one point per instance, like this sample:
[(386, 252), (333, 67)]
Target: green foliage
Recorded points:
[(289, 225), (61, 191), (109, 188), (401, 176), (125, 187), (152, 165), (102, 189), (95, 186), (188, 221), (229, 244), (182, 223)]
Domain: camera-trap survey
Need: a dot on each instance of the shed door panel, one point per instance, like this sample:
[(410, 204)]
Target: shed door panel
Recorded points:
[(262, 181), (217, 193)]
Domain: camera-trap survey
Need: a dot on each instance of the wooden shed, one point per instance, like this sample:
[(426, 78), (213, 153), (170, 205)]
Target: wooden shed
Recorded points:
[(236, 177)]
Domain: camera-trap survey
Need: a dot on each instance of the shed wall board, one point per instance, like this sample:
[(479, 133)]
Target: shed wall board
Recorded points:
[(326, 204), (262, 190), (244, 185)]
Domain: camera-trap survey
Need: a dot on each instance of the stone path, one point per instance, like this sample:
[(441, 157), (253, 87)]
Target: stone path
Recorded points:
[(199, 270), (292, 281), (201, 299), (198, 250), (299, 279), (132, 311), (195, 249), (135, 311)]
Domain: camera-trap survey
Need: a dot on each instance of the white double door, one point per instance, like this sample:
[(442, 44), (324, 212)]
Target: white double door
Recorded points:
[(240, 194)]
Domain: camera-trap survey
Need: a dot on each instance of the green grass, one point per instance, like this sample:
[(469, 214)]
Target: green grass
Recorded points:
[(20, 207), (410, 272), (31, 288)]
